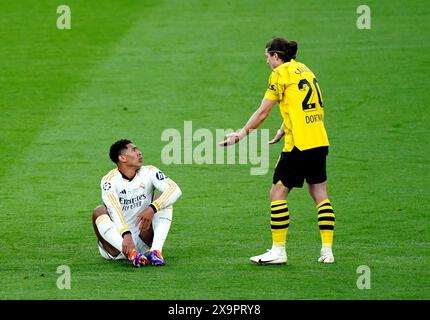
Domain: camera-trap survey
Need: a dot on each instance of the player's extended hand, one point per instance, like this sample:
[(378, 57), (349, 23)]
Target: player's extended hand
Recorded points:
[(232, 138), (144, 219), (278, 136), (128, 244)]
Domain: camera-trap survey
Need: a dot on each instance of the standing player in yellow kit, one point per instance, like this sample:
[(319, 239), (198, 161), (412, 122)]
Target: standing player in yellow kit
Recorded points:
[(294, 86)]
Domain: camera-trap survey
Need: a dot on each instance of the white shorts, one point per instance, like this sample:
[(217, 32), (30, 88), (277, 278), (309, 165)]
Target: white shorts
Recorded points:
[(140, 246)]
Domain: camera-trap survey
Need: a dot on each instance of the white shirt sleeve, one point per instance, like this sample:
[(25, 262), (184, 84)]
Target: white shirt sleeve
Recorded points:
[(170, 191), (111, 201)]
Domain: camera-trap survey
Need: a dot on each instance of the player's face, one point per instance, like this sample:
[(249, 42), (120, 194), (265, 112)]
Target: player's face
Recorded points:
[(272, 61), (133, 156)]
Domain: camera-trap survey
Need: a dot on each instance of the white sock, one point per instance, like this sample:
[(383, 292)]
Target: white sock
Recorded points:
[(161, 225), (109, 232), (280, 250), (326, 249)]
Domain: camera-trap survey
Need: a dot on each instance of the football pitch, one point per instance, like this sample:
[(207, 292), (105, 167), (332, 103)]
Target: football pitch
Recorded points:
[(134, 69)]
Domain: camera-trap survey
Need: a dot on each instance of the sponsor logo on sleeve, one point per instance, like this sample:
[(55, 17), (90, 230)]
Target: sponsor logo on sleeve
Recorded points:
[(160, 175)]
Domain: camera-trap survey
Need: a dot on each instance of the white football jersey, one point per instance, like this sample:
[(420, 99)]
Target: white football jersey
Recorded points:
[(125, 198)]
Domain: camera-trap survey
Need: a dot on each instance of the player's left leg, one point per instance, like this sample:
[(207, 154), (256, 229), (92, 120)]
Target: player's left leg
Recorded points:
[(160, 225), (326, 220), (144, 241), (316, 177)]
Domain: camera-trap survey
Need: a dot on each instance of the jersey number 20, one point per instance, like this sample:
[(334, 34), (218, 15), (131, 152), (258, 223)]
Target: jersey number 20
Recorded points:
[(305, 104)]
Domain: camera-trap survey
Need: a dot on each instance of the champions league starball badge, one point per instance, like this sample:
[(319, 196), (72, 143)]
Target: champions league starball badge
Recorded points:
[(106, 186)]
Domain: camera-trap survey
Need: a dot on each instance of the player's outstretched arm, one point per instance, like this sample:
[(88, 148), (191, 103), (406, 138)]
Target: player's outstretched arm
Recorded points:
[(253, 123)]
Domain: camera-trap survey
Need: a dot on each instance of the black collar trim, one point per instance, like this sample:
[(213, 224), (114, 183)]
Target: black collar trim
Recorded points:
[(127, 178)]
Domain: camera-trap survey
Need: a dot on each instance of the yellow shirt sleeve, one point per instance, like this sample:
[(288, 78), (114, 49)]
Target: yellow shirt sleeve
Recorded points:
[(272, 92)]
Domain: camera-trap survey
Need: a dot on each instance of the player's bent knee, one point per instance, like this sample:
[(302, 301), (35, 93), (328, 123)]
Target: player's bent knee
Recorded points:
[(98, 211), (169, 209)]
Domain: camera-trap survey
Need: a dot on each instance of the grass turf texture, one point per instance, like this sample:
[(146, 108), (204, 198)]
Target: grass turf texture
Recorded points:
[(134, 69)]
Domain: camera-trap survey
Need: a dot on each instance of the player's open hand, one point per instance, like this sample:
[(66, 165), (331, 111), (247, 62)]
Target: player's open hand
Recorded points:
[(144, 219), (278, 136), (232, 138), (128, 244)]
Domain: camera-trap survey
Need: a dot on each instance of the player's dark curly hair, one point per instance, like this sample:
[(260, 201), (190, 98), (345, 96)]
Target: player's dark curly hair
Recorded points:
[(286, 49), (117, 148)]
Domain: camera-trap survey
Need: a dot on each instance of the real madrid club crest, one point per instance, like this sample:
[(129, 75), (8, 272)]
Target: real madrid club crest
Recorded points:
[(142, 185)]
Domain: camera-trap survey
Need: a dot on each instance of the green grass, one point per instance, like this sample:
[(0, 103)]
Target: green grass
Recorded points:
[(129, 69)]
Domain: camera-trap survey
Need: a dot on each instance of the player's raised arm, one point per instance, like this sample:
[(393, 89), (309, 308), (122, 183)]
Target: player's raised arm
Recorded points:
[(253, 123)]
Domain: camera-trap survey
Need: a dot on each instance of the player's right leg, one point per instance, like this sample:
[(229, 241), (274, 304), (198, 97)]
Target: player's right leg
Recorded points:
[(104, 228), (110, 240), (287, 175), (279, 225)]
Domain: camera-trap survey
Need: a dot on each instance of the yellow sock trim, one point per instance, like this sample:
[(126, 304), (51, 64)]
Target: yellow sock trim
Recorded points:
[(101, 218), (275, 202), (322, 203)]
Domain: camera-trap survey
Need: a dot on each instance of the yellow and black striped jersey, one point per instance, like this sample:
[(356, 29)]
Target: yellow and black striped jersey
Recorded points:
[(295, 87), (125, 198)]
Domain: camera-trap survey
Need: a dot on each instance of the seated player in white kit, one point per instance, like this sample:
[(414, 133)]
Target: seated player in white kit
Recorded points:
[(132, 224)]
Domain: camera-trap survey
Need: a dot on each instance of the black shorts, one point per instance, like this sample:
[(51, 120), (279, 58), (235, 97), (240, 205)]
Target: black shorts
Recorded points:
[(295, 166)]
